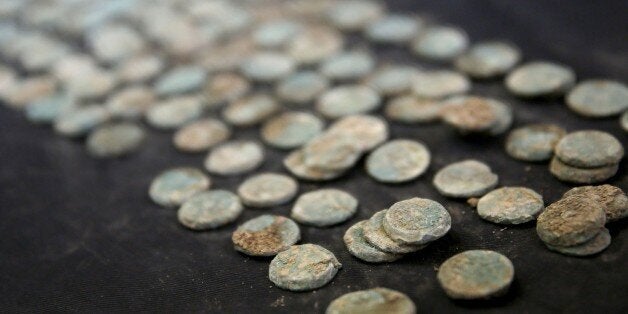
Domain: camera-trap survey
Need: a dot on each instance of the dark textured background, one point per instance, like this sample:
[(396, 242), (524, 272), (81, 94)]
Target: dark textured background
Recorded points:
[(78, 234)]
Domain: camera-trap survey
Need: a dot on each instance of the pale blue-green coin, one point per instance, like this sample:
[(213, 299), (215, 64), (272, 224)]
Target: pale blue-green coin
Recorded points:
[(348, 65), (174, 186), (376, 235), (47, 110), (356, 244), (332, 152), (353, 15), (315, 44), (372, 301), (598, 98), (464, 179), (412, 109), (81, 120), (589, 149), (267, 189), (439, 84), (416, 221), (488, 59), (234, 157), (510, 205), (174, 112), (441, 43), (303, 267), (291, 129), (180, 80), (302, 87), (209, 210), (276, 33), (325, 207), (268, 66), (250, 110), (540, 78), (394, 28), (115, 139), (266, 235), (348, 100), (392, 79), (596, 245), (534, 142), (398, 161)]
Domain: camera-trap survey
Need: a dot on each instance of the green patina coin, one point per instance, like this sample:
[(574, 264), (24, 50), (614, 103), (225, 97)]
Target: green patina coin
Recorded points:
[(398, 161), (376, 235), (315, 44), (412, 109), (201, 135), (48, 109), (332, 152), (250, 110), (174, 186), (180, 80), (596, 245), (589, 149), (488, 59), (325, 207), (567, 173), (534, 142), (291, 129), (303, 267), (276, 33), (347, 100), (570, 221), (174, 112), (358, 247), (267, 189), (131, 102), (510, 205), (623, 121), (441, 43), (598, 98), (266, 235), (464, 179), (367, 131), (235, 157), (353, 15), (225, 87), (372, 301), (392, 79), (540, 78), (439, 84), (416, 221), (115, 139), (81, 120), (348, 65), (302, 87), (613, 199), (268, 66), (476, 274), (295, 163), (209, 210), (394, 29)]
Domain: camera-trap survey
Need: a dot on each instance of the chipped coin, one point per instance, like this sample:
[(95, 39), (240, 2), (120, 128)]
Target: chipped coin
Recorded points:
[(209, 210), (540, 78), (267, 189), (201, 135), (372, 301), (303, 267), (266, 235), (416, 221), (174, 186), (598, 98), (234, 157), (534, 142), (324, 207), (510, 205), (291, 129), (115, 139), (398, 161)]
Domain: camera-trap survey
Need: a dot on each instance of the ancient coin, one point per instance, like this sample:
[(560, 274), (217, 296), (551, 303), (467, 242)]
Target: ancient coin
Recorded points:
[(250, 110), (534, 142), (234, 157), (596, 245), (589, 149), (623, 121), (416, 221), (291, 129), (295, 163), (174, 112), (267, 189), (598, 98), (302, 87), (315, 44), (48, 109), (372, 301), (464, 179), (510, 205), (474, 114), (80, 121), (439, 84), (352, 15), (367, 131), (476, 274), (266, 235), (114, 42), (394, 28), (209, 210), (92, 84), (376, 235), (131, 102), (540, 78), (412, 109), (276, 33), (398, 161), (392, 79), (180, 80), (303, 267), (174, 186), (348, 65), (268, 66), (347, 100), (201, 135), (358, 247), (613, 199), (441, 43), (324, 207), (332, 152), (225, 87), (115, 139), (31, 89), (567, 173), (488, 59)]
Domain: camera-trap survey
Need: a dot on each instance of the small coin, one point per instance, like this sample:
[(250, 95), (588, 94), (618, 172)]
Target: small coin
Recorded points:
[(302, 87), (209, 210), (234, 157), (347, 100), (510, 205), (376, 235), (412, 109), (324, 207), (439, 84), (250, 110), (267, 189), (291, 129), (567, 173), (534, 142), (276, 33), (596, 245), (589, 149), (348, 65), (268, 66), (394, 28), (398, 161), (570, 221), (174, 186), (315, 44), (540, 78), (114, 42), (140, 68), (80, 121), (22, 93), (303, 267), (392, 79), (358, 247), (115, 139), (295, 163), (416, 221), (441, 43), (92, 84), (598, 98), (488, 59), (464, 179), (201, 135), (332, 152), (367, 131), (48, 109), (471, 114), (180, 80), (174, 112), (266, 235), (131, 102), (353, 15), (225, 87), (613, 199), (372, 301), (476, 274)]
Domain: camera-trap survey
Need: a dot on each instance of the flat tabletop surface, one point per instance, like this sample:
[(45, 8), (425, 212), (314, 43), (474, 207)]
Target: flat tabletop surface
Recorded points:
[(80, 234)]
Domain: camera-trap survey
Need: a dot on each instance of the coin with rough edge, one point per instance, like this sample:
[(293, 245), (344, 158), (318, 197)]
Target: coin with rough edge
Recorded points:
[(358, 247), (201, 135), (174, 112), (476, 115), (464, 179), (439, 84), (398, 161), (267, 189), (394, 28), (534, 142), (276, 33), (412, 109), (376, 235), (324, 207), (266, 235), (291, 129), (416, 221), (392, 79), (353, 15), (570, 221), (268, 66), (209, 210), (131, 102), (303, 267), (250, 110), (302, 87), (174, 186), (488, 59), (48, 109), (598, 98), (295, 163), (315, 44), (225, 87), (372, 301), (589, 149), (567, 173), (331, 152), (367, 131), (115, 139), (441, 43), (348, 65), (476, 274), (234, 157), (540, 78), (81, 120), (623, 121), (613, 199), (510, 205), (180, 80), (347, 100), (596, 245)]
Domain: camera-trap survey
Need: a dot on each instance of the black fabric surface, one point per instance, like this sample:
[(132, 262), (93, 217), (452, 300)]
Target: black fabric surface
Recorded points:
[(80, 235)]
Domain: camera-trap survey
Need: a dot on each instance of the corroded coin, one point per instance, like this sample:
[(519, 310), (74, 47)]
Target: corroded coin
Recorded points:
[(267, 66), (474, 114), (303, 267), (302, 87), (534, 142), (295, 163), (315, 44), (476, 274), (131, 102), (467, 178), (92, 84), (596, 245), (352, 15), (140, 68), (250, 110), (376, 235), (201, 135), (180, 80), (510, 205), (276, 33), (174, 186), (567, 173), (394, 28), (235, 157), (367, 131), (598, 98), (115, 139), (209, 210), (174, 112), (416, 221), (613, 199), (48, 109), (324, 207), (372, 301), (412, 109), (439, 84), (589, 149), (623, 121), (441, 43), (81, 120), (398, 161), (31, 89), (347, 100), (267, 189), (332, 152), (488, 59), (540, 78), (291, 129), (358, 247), (392, 79), (225, 87), (348, 65), (266, 235)]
